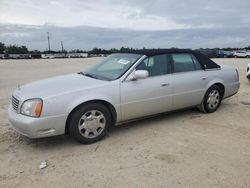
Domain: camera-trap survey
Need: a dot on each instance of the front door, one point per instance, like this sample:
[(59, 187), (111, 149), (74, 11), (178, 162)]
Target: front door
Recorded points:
[(152, 95)]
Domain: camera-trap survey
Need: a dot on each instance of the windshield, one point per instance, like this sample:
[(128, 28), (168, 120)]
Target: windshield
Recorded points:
[(112, 67)]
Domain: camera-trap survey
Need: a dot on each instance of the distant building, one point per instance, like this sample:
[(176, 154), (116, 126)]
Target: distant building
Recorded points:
[(19, 56), (64, 55), (47, 56), (75, 55)]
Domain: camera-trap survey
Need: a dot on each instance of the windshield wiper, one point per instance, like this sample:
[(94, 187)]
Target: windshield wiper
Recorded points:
[(93, 76), (88, 75)]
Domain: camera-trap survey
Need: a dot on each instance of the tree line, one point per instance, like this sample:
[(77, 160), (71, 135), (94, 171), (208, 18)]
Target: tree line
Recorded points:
[(15, 49)]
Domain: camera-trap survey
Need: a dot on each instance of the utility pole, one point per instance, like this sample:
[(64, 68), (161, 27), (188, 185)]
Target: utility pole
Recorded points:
[(62, 46), (48, 40)]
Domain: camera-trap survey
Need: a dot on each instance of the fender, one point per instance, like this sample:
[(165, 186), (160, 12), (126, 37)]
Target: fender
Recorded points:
[(215, 81), (87, 98)]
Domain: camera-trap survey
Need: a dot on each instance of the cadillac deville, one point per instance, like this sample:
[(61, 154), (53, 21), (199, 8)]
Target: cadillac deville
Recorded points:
[(121, 88)]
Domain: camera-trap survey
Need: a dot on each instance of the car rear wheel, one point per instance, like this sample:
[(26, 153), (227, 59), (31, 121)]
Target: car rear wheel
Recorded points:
[(212, 99), (89, 123)]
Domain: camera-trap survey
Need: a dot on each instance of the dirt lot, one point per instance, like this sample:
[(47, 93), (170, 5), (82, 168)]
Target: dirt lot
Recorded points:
[(182, 149)]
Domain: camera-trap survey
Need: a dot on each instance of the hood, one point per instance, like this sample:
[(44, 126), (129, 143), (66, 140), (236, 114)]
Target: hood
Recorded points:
[(56, 86)]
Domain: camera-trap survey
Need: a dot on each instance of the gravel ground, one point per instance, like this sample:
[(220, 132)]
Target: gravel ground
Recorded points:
[(181, 149)]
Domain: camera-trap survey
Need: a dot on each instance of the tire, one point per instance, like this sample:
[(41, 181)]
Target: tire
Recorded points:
[(89, 123), (212, 99)]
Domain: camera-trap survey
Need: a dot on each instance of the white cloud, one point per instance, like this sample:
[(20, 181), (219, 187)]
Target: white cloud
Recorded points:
[(89, 37), (134, 23), (129, 14), (14, 34), (75, 13)]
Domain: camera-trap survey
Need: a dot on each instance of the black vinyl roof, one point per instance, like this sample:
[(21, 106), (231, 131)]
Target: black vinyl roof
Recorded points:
[(152, 52), (205, 62)]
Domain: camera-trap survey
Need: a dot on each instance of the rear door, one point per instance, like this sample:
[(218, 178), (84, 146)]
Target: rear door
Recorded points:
[(189, 80)]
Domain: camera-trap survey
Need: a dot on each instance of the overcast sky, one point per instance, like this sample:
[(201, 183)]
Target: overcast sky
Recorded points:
[(187, 23)]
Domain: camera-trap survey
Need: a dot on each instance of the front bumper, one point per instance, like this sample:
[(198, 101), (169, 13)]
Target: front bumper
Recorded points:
[(37, 127)]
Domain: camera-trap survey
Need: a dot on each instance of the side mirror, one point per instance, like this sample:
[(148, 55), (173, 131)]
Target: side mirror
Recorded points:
[(140, 74)]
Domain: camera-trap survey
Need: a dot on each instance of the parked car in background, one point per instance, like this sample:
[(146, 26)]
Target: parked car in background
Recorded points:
[(223, 54), (210, 53), (121, 88), (248, 72), (245, 54), (77, 55), (47, 56)]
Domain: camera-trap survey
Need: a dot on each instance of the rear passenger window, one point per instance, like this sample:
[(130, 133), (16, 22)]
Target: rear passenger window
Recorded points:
[(155, 65), (185, 63)]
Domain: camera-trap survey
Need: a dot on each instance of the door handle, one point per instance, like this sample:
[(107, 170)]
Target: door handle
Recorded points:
[(204, 78), (164, 84)]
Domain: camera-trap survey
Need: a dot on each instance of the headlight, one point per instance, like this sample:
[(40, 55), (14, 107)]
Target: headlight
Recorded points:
[(32, 107)]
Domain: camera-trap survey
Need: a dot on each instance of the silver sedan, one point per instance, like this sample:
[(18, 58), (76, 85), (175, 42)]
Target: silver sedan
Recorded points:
[(121, 88)]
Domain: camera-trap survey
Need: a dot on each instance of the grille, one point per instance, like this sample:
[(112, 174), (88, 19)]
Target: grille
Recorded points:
[(15, 103)]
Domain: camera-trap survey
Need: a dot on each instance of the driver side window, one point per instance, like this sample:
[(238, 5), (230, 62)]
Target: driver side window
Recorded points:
[(155, 65)]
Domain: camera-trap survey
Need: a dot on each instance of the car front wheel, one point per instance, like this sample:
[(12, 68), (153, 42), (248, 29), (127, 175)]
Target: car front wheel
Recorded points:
[(89, 123)]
